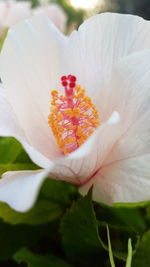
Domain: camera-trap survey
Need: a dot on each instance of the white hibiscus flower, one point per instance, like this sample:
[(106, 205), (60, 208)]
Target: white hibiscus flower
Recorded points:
[(55, 13), (110, 58), (11, 12)]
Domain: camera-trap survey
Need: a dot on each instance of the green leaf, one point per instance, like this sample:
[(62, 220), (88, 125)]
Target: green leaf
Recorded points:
[(129, 257), (148, 213), (80, 233), (43, 212), (122, 216), (59, 192), (3, 36), (54, 198), (34, 260), (16, 167), (13, 238), (13, 157), (110, 249), (132, 205), (142, 256), (120, 236), (23, 157), (9, 149)]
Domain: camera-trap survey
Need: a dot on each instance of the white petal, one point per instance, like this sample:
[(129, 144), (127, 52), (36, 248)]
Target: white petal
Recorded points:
[(122, 182), (8, 121), (55, 14), (15, 12), (100, 42), (36, 156), (19, 189), (29, 67), (130, 179), (2, 10), (9, 126), (125, 173), (80, 165), (115, 118), (129, 93)]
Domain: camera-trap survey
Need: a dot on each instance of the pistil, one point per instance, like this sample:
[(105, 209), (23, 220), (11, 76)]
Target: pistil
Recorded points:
[(73, 117)]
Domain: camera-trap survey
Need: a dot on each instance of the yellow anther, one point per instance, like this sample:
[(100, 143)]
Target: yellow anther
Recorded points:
[(72, 119), (76, 112), (66, 151), (70, 140), (79, 131), (68, 111), (54, 93)]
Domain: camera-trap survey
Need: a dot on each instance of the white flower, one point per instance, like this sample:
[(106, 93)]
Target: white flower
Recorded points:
[(12, 12), (55, 13), (110, 57)]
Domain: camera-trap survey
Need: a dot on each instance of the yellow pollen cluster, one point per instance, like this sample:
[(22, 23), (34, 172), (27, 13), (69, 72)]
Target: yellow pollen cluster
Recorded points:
[(72, 119)]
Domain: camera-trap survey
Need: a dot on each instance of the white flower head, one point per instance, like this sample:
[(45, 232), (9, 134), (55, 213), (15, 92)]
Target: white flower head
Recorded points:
[(55, 13), (12, 12), (112, 64)]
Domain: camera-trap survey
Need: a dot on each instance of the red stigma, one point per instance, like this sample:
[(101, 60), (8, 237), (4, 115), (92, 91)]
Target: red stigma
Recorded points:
[(63, 78), (72, 85), (73, 79), (69, 77), (64, 83), (69, 82)]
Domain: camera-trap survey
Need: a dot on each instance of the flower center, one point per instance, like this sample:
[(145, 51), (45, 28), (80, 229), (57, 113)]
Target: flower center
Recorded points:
[(73, 117)]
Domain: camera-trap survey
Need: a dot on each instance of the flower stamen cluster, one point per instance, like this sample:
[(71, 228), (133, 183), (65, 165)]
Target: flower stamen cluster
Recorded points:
[(73, 117)]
